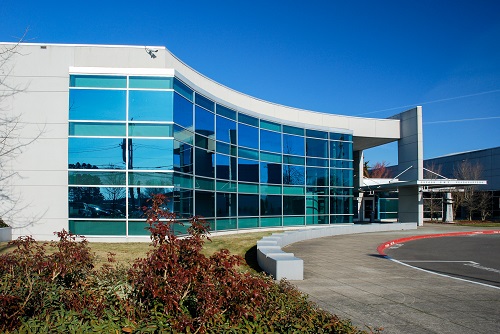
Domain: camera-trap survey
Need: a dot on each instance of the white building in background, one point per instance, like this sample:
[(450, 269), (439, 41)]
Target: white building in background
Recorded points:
[(119, 123)]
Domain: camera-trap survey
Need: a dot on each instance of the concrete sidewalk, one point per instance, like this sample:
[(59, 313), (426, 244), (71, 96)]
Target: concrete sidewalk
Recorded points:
[(346, 276)]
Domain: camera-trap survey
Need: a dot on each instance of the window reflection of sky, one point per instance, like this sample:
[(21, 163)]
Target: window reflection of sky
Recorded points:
[(152, 154), (92, 104), (105, 153), (150, 106)]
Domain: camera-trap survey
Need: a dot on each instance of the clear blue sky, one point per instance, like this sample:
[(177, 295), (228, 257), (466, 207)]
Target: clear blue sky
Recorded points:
[(362, 58)]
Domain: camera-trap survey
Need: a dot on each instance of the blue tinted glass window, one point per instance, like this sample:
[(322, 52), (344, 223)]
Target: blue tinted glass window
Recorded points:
[(204, 163), (183, 204), (294, 175), (204, 183), (248, 205), (150, 106), (226, 205), (150, 179), (289, 159), (270, 125), (270, 205), (226, 130), (96, 202), (293, 145), (223, 148), (183, 157), (149, 130), (154, 154), (316, 148), (95, 153), (183, 181), (341, 177), (229, 113), (271, 157), (183, 111), (270, 173), (340, 150), (183, 134), (226, 149), (247, 136), (317, 134), (248, 170), (293, 205), (204, 122), (337, 136), (96, 177), (317, 205), (270, 141), (340, 205), (226, 167), (150, 82), (204, 142), (97, 129), (317, 162), (202, 101), (204, 204), (341, 136), (242, 118), (92, 104), (182, 89), (293, 130), (248, 153), (98, 81), (317, 176)]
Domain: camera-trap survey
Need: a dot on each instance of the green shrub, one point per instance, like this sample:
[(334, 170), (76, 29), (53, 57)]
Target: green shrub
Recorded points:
[(53, 287)]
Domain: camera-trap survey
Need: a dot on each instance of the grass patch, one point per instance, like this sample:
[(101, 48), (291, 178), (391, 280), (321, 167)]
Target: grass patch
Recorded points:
[(242, 244), (125, 253)]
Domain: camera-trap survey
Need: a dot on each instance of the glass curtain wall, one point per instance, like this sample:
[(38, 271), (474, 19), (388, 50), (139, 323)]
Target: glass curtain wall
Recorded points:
[(131, 137)]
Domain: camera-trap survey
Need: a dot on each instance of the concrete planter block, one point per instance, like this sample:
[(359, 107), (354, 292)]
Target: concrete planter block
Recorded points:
[(5, 234), (280, 264)]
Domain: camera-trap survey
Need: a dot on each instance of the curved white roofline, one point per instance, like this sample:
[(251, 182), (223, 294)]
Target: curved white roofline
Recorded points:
[(367, 132), (360, 126)]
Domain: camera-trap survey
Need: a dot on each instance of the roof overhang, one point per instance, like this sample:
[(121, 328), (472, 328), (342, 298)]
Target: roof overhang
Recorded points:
[(394, 184)]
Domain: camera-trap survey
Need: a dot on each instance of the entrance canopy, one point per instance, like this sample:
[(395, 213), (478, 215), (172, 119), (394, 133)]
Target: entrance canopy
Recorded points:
[(370, 184)]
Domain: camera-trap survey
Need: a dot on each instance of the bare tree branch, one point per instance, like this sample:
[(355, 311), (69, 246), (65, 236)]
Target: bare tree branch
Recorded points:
[(12, 144)]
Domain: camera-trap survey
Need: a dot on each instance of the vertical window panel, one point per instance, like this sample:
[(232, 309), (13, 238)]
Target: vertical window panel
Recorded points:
[(270, 141), (316, 148), (293, 145), (205, 203), (225, 130), (204, 122), (150, 106), (247, 136), (183, 112)]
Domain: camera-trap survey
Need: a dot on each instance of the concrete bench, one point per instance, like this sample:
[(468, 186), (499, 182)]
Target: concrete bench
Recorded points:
[(280, 264)]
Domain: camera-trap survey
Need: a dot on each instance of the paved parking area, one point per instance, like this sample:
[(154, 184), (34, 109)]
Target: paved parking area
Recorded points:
[(346, 276), (475, 258)]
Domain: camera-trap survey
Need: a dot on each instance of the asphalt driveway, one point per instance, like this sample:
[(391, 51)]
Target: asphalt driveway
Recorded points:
[(346, 276)]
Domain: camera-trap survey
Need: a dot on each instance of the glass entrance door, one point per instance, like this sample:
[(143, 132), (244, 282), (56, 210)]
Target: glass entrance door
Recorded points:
[(368, 208)]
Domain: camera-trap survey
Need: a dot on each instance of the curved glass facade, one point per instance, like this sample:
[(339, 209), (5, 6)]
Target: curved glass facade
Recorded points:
[(134, 136)]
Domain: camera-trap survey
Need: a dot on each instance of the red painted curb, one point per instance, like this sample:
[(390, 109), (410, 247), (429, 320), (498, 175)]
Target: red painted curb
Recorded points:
[(381, 248)]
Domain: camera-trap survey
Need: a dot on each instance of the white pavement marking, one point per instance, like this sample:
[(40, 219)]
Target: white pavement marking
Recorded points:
[(443, 275), (478, 266), (407, 261)]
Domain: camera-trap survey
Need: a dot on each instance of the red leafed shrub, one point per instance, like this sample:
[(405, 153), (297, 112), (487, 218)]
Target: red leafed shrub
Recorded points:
[(33, 280), (187, 285)]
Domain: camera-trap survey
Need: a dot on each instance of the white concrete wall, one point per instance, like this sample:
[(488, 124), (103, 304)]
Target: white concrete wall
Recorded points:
[(410, 164)]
